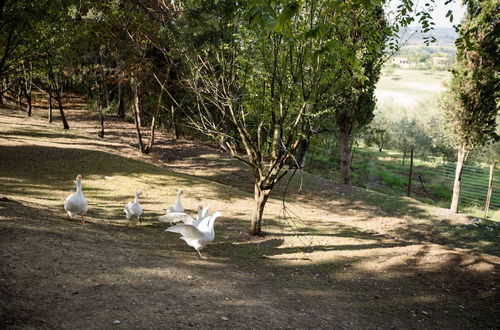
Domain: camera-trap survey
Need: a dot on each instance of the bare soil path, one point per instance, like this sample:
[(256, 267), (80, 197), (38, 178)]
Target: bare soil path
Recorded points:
[(362, 260)]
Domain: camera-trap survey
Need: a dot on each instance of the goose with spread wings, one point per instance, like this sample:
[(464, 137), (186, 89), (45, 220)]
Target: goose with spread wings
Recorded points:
[(197, 237)]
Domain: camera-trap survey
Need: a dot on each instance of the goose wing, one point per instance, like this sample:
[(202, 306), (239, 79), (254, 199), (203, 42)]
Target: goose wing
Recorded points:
[(204, 212), (76, 204), (187, 231), (128, 207), (174, 217)]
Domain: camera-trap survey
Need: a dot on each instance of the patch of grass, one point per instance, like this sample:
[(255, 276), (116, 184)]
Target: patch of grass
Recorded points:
[(392, 179), (362, 166), (441, 192), (478, 235)]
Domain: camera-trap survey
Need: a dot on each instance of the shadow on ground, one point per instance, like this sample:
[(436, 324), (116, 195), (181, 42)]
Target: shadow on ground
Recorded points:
[(339, 272)]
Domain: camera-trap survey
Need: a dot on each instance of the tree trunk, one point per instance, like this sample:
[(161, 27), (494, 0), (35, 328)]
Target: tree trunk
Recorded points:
[(121, 103), (261, 197), (27, 95), (149, 147), (174, 121), (277, 141), (61, 111), (101, 117), (458, 180), (381, 142), (137, 112), (28, 105), (19, 93), (410, 174), (345, 173), (1, 97), (106, 95), (304, 146), (50, 108)]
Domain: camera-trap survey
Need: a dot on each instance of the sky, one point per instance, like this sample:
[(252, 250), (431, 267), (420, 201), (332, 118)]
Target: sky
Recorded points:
[(439, 14)]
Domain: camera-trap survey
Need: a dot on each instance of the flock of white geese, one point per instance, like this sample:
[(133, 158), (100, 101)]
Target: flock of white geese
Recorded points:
[(197, 233)]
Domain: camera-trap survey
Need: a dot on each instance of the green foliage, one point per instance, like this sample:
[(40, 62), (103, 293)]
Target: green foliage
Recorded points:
[(488, 154), (294, 60), (129, 118), (423, 130), (22, 34), (471, 102), (442, 192), (393, 179)]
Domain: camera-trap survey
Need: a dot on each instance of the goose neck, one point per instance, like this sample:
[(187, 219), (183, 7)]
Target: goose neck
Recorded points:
[(78, 186), (178, 201)]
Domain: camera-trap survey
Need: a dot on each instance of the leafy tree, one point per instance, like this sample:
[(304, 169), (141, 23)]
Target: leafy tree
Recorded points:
[(19, 20), (261, 81), (471, 102), (121, 43), (268, 86), (377, 136), (55, 54), (404, 135), (148, 67), (354, 101)]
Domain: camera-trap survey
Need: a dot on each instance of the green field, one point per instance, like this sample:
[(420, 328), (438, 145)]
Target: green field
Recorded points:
[(409, 88)]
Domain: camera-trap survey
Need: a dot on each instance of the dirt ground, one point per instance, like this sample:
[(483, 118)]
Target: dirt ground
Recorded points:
[(361, 260)]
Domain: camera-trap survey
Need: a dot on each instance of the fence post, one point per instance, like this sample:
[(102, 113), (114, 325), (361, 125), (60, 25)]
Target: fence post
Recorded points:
[(410, 173), (488, 194)]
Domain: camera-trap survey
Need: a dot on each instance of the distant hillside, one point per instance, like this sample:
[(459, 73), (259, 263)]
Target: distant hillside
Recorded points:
[(445, 37)]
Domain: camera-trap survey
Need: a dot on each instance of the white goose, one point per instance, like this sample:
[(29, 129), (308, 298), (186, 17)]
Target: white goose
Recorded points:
[(197, 237), (133, 210), (177, 207), (76, 204), (175, 213)]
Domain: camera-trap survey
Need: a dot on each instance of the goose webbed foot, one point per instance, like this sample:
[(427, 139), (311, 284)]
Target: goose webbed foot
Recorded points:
[(201, 256)]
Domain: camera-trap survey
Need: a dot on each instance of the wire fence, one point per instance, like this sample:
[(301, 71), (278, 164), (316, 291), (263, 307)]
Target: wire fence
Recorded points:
[(387, 172), (474, 186)]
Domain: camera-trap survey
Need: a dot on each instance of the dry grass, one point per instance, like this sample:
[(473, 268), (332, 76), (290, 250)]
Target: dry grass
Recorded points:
[(362, 259)]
